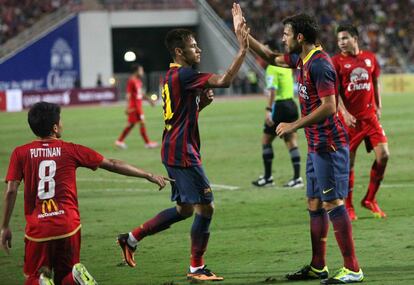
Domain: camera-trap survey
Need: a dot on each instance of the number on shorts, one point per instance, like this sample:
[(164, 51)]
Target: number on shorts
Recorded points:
[(48, 192)]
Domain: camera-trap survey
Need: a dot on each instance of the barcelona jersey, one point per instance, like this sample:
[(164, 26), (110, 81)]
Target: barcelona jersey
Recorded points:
[(182, 88), (316, 79)]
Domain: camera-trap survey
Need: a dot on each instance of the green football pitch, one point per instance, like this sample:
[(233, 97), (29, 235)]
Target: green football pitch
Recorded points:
[(257, 235)]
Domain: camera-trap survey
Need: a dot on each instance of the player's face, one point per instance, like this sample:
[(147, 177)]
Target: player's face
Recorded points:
[(289, 40), (57, 129), (346, 42), (191, 52)]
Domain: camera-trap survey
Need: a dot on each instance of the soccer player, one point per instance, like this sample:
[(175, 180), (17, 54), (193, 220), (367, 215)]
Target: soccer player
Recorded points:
[(48, 167), (327, 166), (134, 110), (280, 108), (358, 71), (185, 93)]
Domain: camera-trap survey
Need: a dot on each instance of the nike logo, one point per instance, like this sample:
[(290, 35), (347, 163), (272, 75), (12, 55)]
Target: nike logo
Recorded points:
[(327, 191)]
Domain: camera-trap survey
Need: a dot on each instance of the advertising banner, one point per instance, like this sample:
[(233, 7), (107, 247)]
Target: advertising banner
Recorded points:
[(51, 62), (70, 97)]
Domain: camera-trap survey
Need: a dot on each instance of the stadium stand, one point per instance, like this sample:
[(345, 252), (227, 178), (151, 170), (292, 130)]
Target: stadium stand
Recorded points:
[(383, 28), (17, 15)]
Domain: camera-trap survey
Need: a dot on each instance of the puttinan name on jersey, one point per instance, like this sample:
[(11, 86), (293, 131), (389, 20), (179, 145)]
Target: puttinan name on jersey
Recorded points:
[(45, 152)]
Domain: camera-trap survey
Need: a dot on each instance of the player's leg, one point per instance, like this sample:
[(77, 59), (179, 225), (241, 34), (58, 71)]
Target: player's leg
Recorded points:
[(267, 156), (332, 170), (377, 174), (349, 199), (319, 225), (130, 124), (292, 145), (37, 264), (143, 130)]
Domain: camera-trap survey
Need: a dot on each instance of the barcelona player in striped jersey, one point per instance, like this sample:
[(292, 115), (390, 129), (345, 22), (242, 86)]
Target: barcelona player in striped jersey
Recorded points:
[(327, 166), (185, 93)]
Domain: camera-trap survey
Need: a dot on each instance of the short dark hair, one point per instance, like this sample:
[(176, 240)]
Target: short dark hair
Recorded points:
[(351, 29), (304, 24), (42, 116), (176, 39), (135, 66)]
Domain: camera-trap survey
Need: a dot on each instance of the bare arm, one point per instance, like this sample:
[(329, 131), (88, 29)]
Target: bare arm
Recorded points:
[(327, 108), (271, 57), (377, 96), (10, 195), (205, 99), (268, 118), (123, 168), (224, 80), (350, 120)]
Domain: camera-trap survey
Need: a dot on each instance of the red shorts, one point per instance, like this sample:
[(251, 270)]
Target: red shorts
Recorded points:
[(58, 255), (369, 130), (136, 116)]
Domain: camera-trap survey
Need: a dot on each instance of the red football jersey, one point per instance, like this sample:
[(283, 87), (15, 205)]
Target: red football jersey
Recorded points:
[(134, 87), (48, 168), (356, 73)]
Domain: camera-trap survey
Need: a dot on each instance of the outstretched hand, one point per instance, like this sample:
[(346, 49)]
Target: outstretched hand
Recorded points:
[(240, 27), (6, 237), (237, 16), (160, 180)]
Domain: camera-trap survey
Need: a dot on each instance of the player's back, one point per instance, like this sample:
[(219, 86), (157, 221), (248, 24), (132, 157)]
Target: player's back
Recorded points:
[(48, 168)]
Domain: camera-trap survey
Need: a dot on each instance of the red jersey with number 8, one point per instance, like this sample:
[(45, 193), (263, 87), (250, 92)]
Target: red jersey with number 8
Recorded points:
[(48, 168)]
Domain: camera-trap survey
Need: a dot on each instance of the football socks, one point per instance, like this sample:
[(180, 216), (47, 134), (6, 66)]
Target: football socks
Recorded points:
[(319, 225), (267, 159), (199, 239), (295, 158)]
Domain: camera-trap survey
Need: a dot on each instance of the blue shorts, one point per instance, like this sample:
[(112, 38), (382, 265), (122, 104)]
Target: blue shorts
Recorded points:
[(191, 185), (327, 174)]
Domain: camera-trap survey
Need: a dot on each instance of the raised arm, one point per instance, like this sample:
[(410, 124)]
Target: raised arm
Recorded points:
[(10, 195), (123, 168), (224, 80), (271, 57)]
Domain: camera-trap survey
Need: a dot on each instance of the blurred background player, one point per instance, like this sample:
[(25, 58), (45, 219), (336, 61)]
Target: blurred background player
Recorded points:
[(327, 166), (134, 110), (48, 167), (185, 94), (358, 71), (280, 108)]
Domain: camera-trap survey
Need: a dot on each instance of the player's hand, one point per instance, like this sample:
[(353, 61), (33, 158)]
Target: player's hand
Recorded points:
[(237, 16), (378, 111), (207, 97), (285, 129), (268, 119), (160, 180), (129, 111), (242, 33), (6, 237), (350, 120)]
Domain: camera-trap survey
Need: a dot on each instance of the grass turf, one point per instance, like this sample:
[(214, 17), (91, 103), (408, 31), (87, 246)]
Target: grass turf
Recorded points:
[(256, 234)]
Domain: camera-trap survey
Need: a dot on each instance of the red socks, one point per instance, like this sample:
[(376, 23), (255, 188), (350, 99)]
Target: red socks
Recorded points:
[(124, 133), (343, 234), (319, 225), (143, 132), (377, 174)]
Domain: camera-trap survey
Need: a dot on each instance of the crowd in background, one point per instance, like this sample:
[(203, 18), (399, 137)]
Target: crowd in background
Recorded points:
[(385, 26), (16, 15)]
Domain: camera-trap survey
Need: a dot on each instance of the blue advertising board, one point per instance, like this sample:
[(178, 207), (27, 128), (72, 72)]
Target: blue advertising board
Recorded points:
[(51, 62)]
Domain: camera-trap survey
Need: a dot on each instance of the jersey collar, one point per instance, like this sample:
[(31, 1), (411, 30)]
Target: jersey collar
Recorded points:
[(309, 55), (173, 64)]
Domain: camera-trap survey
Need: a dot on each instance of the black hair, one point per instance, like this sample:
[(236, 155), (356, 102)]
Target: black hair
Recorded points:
[(42, 117), (135, 66), (304, 24), (176, 39), (351, 29)]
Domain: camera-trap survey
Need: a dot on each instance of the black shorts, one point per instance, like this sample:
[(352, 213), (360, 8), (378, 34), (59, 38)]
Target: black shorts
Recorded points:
[(191, 185), (284, 111)]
